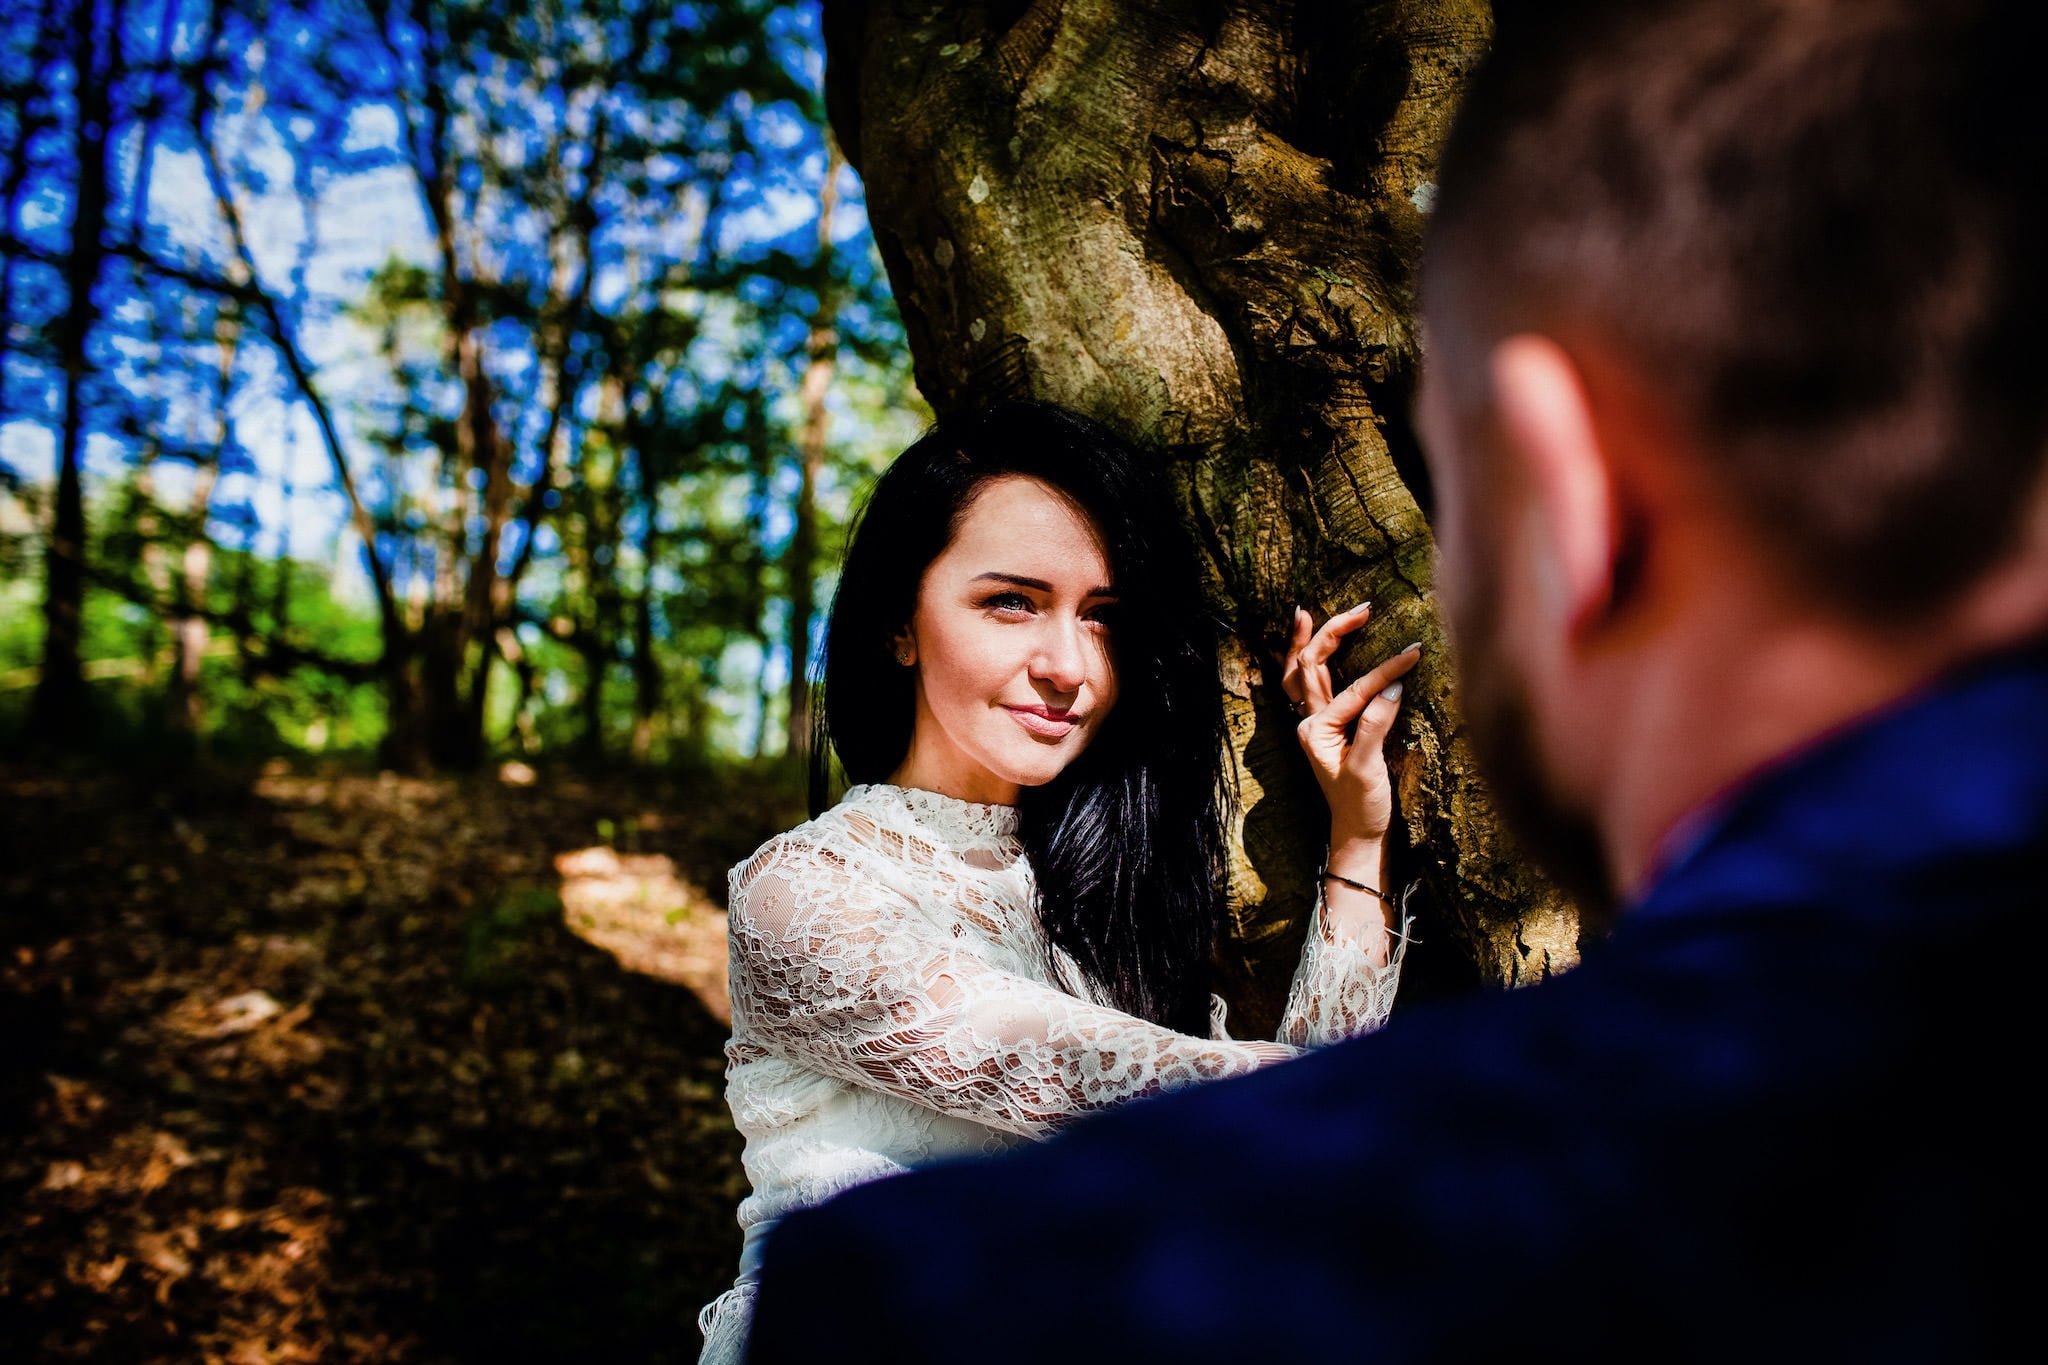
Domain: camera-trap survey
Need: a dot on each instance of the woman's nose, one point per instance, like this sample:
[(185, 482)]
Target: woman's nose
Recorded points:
[(1062, 656)]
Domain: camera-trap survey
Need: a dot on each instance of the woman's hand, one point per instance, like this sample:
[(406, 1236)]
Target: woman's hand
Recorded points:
[(1344, 733)]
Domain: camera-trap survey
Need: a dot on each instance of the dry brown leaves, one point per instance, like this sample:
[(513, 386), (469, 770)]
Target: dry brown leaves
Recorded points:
[(331, 1067)]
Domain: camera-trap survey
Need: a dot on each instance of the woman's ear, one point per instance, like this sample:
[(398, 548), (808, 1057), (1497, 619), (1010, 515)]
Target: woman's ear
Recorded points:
[(904, 646), (1547, 423)]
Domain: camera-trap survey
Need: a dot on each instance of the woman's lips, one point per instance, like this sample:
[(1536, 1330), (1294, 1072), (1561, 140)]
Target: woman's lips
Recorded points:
[(1045, 722)]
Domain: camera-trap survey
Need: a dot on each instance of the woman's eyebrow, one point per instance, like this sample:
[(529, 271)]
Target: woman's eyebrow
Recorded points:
[(1036, 584)]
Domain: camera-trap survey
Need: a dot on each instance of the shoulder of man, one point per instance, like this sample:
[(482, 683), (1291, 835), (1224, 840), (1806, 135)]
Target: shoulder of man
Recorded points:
[(1687, 1121)]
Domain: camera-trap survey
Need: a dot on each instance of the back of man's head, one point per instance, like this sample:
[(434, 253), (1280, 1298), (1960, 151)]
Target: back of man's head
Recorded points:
[(1816, 226)]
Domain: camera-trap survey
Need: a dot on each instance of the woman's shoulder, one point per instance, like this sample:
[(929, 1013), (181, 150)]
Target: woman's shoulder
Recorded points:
[(832, 837), (840, 859)]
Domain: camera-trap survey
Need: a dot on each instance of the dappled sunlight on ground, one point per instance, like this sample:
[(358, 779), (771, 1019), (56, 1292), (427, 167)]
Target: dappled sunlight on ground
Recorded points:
[(262, 1264), (360, 1068), (637, 908)]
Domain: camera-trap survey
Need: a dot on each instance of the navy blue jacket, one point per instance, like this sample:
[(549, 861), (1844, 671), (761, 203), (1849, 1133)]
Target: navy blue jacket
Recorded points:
[(1781, 1113)]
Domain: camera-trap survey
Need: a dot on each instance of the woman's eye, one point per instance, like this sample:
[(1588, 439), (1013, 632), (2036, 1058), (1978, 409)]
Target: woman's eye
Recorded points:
[(1008, 603), (1104, 617)]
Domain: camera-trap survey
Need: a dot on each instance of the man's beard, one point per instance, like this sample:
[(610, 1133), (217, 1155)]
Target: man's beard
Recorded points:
[(1558, 836)]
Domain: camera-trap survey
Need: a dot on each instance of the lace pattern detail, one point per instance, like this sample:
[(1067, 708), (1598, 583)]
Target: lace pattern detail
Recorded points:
[(895, 1001), (723, 1322), (1338, 992), (958, 823)]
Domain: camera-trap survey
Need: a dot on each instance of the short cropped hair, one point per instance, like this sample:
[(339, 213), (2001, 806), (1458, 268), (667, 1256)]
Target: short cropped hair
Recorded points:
[(1816, 226)]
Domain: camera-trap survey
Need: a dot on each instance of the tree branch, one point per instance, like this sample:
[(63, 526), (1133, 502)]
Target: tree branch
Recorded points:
[(281, 335), (278, 654)]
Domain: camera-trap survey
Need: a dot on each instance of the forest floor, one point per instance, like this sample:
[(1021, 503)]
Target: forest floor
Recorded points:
[(303, 1065)]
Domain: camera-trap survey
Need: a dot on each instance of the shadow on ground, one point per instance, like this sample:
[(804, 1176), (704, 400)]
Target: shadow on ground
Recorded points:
[(334, 1067)]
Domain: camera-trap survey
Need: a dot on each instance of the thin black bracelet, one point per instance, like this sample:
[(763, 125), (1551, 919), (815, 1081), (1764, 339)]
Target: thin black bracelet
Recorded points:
[(1328, 875)]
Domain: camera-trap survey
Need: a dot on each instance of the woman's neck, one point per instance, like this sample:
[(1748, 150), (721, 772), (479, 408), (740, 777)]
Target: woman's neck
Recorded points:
[(942, 768)]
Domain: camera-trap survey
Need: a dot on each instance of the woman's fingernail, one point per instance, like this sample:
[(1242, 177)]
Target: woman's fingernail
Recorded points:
[(1363, 606), (1415, 647), (1392, 691)]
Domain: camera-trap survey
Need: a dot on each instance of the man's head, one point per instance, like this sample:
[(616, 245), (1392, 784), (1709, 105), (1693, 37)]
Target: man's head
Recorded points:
[(1734, 309)]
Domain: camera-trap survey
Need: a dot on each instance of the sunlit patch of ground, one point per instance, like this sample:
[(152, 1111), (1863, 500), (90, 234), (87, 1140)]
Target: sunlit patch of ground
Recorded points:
[(319, 1066), (636, 907)]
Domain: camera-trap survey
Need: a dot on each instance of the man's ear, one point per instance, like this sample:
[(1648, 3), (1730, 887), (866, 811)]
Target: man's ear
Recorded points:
[(1547, 423)]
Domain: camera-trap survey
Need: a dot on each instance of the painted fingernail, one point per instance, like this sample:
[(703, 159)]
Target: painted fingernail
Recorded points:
[(1391, 692), (1363, 606), (1415, 647)]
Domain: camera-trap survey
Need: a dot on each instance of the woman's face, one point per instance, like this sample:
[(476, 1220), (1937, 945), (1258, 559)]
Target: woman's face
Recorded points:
[(1010, 641)]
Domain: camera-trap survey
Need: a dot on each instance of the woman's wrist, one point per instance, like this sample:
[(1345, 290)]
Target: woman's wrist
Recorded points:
[(1358, 857), (1358, 903)]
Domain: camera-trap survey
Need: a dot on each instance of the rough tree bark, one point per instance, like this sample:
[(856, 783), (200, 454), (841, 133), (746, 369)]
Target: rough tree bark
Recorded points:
[(1200, 224)]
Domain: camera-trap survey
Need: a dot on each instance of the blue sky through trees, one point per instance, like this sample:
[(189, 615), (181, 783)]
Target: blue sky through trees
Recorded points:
[(551, 277)]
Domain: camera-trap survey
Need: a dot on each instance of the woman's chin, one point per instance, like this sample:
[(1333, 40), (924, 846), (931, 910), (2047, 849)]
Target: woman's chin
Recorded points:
[(1037, 769)]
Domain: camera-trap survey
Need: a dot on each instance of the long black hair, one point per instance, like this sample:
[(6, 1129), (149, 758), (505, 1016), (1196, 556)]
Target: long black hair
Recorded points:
[(1127, 842)]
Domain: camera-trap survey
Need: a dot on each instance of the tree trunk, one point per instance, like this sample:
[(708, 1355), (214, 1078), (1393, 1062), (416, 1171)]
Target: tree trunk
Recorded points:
[(183, 705), (1200, 224), (59, 715), (595, 562), (409, 731), (760, 477), (821, 356), (647, 689)]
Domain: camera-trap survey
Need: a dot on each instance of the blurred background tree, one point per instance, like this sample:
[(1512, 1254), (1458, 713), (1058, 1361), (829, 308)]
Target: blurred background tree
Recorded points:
[(427, 380)]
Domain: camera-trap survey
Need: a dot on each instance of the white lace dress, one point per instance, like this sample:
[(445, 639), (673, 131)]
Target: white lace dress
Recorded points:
[(894, 1002)]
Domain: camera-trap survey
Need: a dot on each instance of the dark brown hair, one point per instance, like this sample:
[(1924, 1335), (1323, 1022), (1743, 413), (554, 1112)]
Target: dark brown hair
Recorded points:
[(1816, 225)]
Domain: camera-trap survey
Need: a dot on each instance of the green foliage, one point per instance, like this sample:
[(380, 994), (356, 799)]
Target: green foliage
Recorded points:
[(250, 710)]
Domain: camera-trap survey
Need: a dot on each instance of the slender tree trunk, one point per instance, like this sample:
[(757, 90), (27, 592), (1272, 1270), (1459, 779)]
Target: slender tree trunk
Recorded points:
[(59, 714), (646, 677), (465, 586), (590, 703), (646, 665), (1200, 224), (156, 569), (407, 731), (456, 640), (597, 562), (801, 559), (568, 312), (148, 522), (761, 476), (184, 706)]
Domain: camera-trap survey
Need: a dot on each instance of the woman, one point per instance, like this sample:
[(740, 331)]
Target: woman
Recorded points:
[(1006, 921)]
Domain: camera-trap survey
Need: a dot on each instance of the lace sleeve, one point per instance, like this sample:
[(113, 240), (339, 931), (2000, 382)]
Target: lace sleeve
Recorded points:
[(834, 969), (1338, 992)]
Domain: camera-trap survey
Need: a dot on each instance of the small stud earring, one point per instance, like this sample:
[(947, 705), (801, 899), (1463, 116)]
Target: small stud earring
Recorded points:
[(903, 656)]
